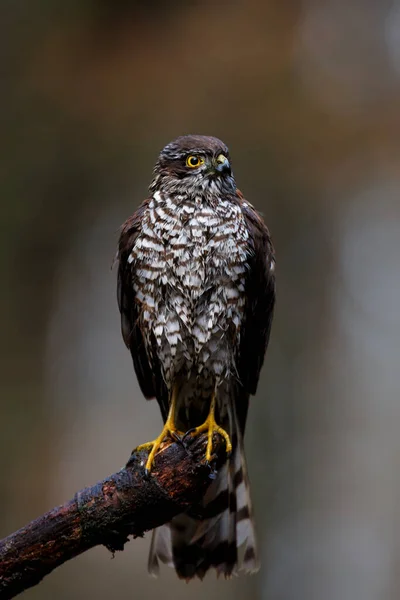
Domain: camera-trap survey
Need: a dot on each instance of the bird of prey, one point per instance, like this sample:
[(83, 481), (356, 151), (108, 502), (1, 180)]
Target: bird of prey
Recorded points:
[(196, 292)]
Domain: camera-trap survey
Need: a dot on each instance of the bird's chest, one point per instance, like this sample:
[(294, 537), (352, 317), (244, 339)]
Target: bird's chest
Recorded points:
[(190, 261), (198, 244)]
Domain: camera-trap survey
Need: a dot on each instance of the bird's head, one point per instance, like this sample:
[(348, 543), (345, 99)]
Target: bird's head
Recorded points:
[(194, 166)]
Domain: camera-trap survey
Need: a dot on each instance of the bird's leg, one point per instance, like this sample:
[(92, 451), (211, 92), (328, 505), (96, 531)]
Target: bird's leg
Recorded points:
[(168, 429), (212, 427)]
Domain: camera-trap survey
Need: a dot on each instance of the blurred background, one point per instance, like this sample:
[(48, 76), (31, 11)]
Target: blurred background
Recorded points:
[(306, 94)]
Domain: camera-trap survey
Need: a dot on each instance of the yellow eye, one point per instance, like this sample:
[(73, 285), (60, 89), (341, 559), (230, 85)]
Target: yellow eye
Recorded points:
[(194, 161)]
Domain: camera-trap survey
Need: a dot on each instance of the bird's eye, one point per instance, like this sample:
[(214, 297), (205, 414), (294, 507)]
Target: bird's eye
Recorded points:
[(194, 161)]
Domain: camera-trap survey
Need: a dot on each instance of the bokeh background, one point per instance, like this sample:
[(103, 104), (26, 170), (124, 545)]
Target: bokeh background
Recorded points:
[(306, 93)]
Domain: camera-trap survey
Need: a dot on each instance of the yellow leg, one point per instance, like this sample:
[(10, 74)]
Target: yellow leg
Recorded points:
[(211, 427), (168, 429)]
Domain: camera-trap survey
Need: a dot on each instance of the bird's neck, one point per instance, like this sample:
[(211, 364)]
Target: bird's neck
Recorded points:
[(209, 192)]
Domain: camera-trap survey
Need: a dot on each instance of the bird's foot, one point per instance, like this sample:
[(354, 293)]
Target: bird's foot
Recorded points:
[(168, 431), (211, 427)]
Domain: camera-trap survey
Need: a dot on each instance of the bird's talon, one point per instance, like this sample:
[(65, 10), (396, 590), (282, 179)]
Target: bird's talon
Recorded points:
[(155, 445), (188, 433), (210, 426), (144, 446), (177, 436)]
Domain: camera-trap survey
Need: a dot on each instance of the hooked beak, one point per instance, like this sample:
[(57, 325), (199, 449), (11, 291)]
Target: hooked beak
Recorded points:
[(222, 164)]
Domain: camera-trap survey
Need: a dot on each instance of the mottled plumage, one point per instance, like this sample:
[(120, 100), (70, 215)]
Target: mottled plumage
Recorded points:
[(196, 295)]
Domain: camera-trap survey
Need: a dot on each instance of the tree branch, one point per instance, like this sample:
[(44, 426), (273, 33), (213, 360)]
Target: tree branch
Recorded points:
[(127, 503)]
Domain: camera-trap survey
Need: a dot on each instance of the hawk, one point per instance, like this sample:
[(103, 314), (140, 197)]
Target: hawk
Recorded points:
[(196, 293)]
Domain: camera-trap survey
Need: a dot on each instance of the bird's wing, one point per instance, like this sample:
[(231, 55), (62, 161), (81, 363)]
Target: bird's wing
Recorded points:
[(260, 299), (146, 364)]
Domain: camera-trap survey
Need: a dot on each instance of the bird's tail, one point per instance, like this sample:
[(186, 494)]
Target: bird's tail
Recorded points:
[(223, 537)]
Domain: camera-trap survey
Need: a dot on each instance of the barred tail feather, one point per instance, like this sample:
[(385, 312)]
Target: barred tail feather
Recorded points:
[(193, 545)]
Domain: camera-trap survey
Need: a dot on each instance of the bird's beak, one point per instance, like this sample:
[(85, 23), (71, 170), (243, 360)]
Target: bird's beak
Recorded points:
[(222, 164)]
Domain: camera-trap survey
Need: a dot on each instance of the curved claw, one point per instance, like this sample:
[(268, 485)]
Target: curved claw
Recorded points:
[(189, 431), (177, 436)]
